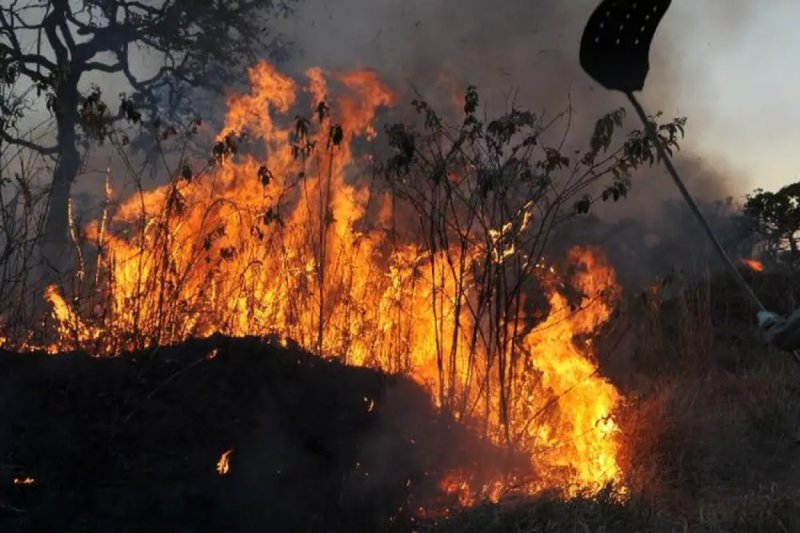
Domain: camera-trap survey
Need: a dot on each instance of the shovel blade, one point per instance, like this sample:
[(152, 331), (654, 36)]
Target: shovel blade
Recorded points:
[(615, 47)]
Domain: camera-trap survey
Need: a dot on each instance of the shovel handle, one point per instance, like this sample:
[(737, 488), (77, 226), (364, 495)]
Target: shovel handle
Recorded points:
[(662, 152)]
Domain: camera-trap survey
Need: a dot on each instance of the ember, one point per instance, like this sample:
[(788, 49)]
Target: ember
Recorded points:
[(370, 404), (223, 465)]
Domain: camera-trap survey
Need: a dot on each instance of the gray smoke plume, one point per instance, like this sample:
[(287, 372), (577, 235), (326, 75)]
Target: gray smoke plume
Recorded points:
[(528, 47), (525, 52)]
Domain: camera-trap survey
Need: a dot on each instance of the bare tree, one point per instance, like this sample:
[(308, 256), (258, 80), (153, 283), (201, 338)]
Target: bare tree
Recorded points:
[(48, 47)]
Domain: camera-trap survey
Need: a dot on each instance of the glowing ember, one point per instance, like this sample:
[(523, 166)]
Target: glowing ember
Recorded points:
[(370, 404), (223, 465), (24, 481), (456, 485), (287, 246), (752, 264)]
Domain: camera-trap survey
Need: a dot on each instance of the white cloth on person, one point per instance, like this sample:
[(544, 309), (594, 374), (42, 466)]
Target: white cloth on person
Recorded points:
[(779, 331)]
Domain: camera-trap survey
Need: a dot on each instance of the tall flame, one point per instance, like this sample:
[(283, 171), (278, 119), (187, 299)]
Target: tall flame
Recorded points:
[(580, 434), (290, 243)]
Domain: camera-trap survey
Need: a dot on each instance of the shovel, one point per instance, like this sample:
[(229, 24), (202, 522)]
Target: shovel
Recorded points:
[(615, 51)]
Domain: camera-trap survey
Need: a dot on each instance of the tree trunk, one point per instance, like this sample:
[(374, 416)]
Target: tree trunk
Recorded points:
[(54, 241)]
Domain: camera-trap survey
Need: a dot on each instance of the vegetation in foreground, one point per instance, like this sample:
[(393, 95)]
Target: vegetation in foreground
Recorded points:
[(766, 510), (713, 427)]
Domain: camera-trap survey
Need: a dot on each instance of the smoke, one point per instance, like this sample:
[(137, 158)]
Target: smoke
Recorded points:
[(525, 53), (514, 50), (515, 47)]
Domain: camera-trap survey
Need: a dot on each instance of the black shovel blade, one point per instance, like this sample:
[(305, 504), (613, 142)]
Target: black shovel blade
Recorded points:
[(615, 48)]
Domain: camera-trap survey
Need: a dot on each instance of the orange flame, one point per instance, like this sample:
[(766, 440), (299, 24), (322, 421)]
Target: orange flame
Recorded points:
[(579, 431), (752, 264), (223, 465), (24, 481), (285, 245), (73, 332)]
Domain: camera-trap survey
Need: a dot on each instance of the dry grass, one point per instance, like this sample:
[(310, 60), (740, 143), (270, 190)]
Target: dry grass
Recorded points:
[(711, 425), (762, 511)]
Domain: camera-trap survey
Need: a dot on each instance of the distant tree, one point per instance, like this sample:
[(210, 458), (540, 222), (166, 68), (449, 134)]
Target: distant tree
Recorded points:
[(776, 217), (48, 47)]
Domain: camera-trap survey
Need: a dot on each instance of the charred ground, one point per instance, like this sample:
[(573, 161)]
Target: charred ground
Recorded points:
[(131, 443)]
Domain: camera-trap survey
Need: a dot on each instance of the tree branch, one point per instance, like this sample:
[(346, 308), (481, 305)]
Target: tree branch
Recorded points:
[(102, 67), (22, 59), (44, 150), (50, 23), (14, 50)]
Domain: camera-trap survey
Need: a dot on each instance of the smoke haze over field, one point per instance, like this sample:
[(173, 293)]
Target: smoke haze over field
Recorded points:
[(526, 52), (521, 50)]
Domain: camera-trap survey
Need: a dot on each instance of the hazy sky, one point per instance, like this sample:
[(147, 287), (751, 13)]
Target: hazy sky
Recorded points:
[(745, 108)]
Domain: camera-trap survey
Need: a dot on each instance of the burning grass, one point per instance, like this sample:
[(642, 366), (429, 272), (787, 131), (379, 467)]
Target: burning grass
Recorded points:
[(710, 423), (285, 240), (454, 366)]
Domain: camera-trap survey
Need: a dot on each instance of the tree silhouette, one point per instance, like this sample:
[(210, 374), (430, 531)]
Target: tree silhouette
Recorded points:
[(48, 47), (777, 218)]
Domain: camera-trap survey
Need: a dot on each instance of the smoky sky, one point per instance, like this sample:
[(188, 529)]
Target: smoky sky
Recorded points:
[(520, 52), (525, 52), (523, 47), (508, 49)]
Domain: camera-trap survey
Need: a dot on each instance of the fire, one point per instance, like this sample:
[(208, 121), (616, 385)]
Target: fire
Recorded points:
[(24, 481), (288, 242), (73, 332), (456, 484), (223, 465), (752, 264), (578, 432)]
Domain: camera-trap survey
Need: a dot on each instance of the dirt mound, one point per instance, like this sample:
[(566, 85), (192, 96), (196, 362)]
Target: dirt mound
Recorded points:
[(132, 443)]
